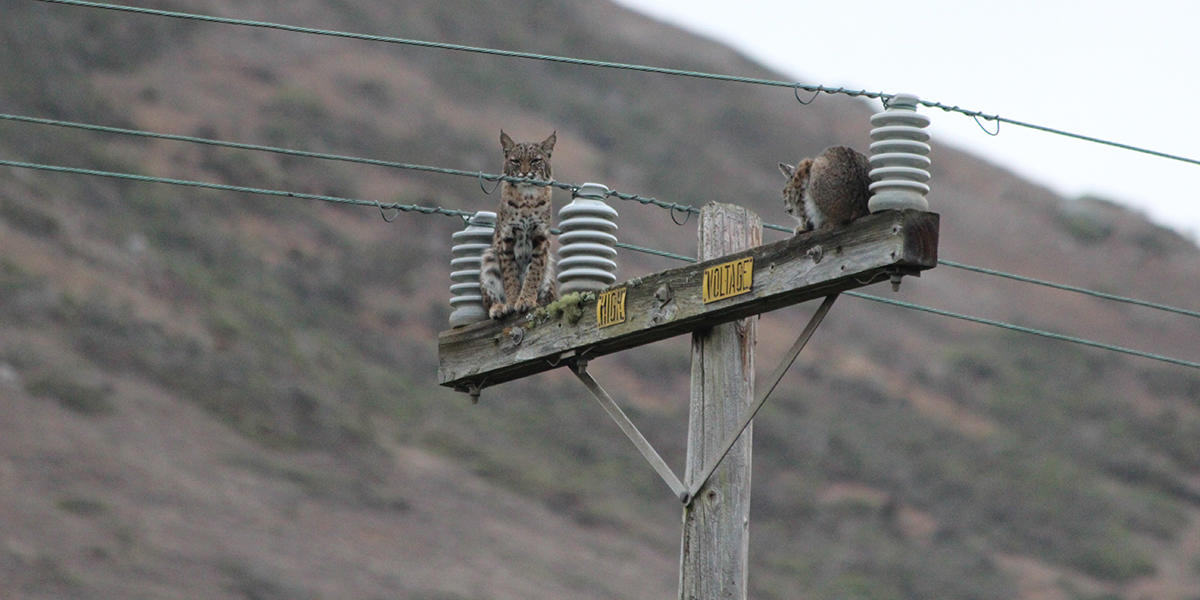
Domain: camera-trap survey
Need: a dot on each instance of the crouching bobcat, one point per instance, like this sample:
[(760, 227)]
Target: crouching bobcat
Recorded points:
[(828, 191)]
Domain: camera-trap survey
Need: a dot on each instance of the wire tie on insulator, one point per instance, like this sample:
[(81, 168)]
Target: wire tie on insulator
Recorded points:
[(687, 215), (980, 124), (484, 188), (796, 93), (384, 215)]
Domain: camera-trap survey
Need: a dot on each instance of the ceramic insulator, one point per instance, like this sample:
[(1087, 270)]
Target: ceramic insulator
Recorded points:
[(466, 301), (899, 156), (587, 245)]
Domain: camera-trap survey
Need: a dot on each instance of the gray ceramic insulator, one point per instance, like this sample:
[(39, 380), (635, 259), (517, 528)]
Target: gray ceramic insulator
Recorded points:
[(587, 243), (466, 302), (899, 156)]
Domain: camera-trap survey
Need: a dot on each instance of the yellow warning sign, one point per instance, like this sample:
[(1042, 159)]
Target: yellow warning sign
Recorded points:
[(610, 308), (727, 280)]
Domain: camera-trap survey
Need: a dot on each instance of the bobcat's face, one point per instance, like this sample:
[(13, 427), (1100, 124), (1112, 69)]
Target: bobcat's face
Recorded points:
[(527, 159), (795, 190)]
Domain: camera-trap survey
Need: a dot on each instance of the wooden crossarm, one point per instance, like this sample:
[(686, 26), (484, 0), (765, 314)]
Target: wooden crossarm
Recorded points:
[(671, 302)]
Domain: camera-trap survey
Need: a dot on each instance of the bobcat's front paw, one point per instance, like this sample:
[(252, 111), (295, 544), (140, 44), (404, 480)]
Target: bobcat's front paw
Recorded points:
[(524, 305), (499, 311)]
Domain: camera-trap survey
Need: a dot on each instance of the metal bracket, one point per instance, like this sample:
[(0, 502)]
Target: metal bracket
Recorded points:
[(579, 367), (776, 377)]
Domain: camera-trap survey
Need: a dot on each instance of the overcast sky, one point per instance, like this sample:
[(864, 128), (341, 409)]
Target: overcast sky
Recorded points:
[(1123, 71)]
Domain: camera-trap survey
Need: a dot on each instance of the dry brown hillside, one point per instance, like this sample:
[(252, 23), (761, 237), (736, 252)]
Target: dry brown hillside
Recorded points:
[(213, 395)]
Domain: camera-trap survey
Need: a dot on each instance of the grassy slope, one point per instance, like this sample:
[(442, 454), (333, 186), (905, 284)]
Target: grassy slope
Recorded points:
[(244, 385)]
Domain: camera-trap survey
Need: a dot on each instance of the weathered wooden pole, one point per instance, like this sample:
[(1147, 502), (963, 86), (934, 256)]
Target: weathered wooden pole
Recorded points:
[(716, 524)]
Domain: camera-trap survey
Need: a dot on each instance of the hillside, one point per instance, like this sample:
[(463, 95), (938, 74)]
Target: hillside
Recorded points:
[(213, 395)]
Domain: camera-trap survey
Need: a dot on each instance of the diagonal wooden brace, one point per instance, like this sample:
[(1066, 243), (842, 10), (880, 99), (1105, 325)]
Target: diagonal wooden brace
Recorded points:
[(776, 377), (631, 431)]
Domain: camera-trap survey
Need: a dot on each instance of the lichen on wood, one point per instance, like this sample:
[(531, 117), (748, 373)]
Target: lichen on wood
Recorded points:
[(568, 309)]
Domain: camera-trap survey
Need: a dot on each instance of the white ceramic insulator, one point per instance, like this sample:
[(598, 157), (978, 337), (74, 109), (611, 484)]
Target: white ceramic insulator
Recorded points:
[(587, 243), (466, 302), (899, 157)]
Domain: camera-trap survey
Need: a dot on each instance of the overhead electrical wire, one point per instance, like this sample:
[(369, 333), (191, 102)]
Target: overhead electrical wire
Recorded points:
[(1042, 282), (274, 149), (558, 184), (465, 214), (1013, 327), (1069, 288), (570, 187), (414, 208), (1020, 328), (237, 188), (613, 65), (1028, 330)]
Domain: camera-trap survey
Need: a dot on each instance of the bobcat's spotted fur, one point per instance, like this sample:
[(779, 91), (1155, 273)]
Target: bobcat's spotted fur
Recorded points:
[(828, 191), (517, 273)]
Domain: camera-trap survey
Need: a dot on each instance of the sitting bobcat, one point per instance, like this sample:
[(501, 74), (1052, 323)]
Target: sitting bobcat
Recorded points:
[(517, 271), (828, 191)]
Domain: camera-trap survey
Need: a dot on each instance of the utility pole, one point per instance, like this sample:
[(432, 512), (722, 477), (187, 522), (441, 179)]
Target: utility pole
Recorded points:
[(715, 299), (716, 524)]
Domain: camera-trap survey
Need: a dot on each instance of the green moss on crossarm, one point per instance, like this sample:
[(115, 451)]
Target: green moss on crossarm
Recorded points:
[(568, 309)]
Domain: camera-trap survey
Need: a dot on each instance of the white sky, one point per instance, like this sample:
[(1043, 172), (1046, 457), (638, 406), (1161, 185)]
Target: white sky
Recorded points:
[(1122, 71)]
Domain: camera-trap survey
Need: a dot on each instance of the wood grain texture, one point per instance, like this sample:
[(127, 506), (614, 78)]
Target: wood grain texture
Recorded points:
[(715, 545), (669, 303)]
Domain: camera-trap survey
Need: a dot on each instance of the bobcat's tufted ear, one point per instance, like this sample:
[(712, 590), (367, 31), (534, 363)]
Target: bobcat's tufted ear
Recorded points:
[(506, 142), (548, 143), (787, 170)]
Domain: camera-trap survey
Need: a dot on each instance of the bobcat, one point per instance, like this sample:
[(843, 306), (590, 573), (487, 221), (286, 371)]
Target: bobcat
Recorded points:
[(828, 191), (517, 272)]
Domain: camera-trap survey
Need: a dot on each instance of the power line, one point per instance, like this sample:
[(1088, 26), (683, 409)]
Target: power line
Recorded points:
[(336, 157), (1028, 330), (1045, 283), (319, 155), (1012, 327), (450, 212), (566, 186), (673, 206), (462, 48), (613, 65), (237, 188), (465, 214), (656, 252), (279, 150), (1069, 288)]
